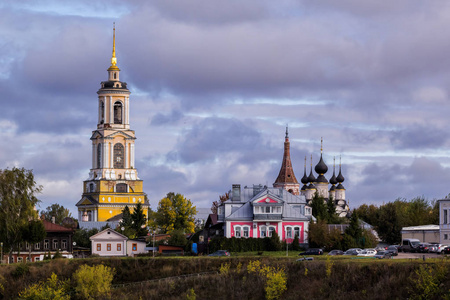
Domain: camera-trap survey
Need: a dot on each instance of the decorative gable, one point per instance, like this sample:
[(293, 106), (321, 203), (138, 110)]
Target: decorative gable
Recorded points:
[(266, 200)]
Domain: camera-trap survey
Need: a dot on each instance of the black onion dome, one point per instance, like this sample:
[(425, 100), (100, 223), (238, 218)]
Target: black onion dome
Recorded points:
[(304, 179), (333, 188), (311, 187), (321, 167), (340, 187), (340, 178), (321, 179), (333, 180), (304, 187), (311, 177)]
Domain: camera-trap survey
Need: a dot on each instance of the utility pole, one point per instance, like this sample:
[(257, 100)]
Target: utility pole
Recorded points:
[(1, 259), (153, 242)]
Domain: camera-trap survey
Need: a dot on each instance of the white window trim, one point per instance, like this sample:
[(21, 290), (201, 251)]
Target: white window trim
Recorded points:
[(273, 208), (241, 231)]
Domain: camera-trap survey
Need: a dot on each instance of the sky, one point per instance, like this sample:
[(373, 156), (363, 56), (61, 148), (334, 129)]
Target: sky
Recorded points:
[(214, 84)]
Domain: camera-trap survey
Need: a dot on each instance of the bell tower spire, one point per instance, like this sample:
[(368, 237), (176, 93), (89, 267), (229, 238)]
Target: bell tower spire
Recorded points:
[(286, 178)]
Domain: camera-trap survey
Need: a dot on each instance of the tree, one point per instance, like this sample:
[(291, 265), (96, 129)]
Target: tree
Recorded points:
[(17, 202), (57, 211), (33, 233), (368, 213), (81, 237), (389, 227), (177, 238), (222, 199), (353, 232), (139, 221), (175, 212), (93, 282), (318, 233), (319, 209)]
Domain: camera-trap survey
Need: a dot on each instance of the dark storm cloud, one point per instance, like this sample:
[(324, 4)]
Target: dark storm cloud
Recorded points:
[(162, 119), (213, 137), (419, 137)]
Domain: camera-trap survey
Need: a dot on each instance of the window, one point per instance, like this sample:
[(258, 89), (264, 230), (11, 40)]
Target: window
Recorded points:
[(267, 209), (108, 247), (19, 259), (297, 231), (37, 246), (262, 231), (27, 259), (99, 247), (445, 236), (121, 188), (118, 112), (55, 244), (288, 232), (91, 187), (245, 231), (271, 229), (445, 216), (237, 231), (118, 156), (99, 156), (102, 112), (119, 247), (307, 211), (64, 244), (27, 246), (134, 247), (37, 259), (46, 244)]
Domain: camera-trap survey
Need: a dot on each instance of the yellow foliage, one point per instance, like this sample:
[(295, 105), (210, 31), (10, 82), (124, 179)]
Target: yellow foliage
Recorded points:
[(276, 278), (328, 267), (50, 289), (93, 282), (191, 294), (224, 268)]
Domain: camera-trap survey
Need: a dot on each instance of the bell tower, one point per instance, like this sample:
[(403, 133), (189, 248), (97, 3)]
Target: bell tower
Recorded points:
[(113, 180)]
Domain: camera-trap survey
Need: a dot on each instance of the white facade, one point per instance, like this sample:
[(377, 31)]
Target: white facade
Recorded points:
[(111, 243), (444, 221)]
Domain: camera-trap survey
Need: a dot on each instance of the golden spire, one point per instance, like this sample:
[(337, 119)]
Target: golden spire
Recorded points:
[(113, 58), (321, 145)]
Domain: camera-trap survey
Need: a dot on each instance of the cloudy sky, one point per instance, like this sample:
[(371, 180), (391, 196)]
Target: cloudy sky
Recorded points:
[(214, 84)]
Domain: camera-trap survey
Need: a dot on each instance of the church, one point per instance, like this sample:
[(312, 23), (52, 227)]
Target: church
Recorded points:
[(113, 181)]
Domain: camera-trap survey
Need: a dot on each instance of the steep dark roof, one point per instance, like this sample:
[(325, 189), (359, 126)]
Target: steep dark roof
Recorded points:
[(51, 227), (286, 174)]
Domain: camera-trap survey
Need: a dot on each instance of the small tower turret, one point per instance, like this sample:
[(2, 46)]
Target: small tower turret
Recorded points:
[(286, 178)]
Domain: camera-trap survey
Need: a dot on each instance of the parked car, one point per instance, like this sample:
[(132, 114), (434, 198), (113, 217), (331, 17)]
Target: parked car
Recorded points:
[(423, 247), (409, 245), (436, 248), (359, 250), (336, 252), (383, 254), (368, 252), (393, 250), (220, 253), (351, 252), (446, 250), (312, 251)]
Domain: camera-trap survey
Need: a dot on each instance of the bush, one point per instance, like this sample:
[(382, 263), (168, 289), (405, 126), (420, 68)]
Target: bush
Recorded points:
[(51, 289), (93, 282), (21, 270)]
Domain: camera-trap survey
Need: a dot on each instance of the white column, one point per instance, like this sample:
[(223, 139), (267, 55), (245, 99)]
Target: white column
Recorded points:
[(111, 110), (99, 111), (126, 156), (111, 148), (128, 110), (132, 155)]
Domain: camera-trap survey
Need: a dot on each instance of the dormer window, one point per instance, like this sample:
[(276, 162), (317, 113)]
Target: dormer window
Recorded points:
[(272, 209)]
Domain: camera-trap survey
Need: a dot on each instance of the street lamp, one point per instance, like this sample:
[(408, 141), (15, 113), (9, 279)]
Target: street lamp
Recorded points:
[(153, 242), (1, 259)]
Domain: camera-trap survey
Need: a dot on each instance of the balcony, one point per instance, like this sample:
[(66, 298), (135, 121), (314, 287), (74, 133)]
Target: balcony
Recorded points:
[(265, 217)]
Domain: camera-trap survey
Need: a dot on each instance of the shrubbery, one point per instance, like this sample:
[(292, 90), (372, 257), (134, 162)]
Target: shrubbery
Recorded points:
[(249, 244)]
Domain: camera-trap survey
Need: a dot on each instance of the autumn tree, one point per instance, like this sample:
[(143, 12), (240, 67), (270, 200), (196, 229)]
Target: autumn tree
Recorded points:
[(57, 211), (18, 191), (175, 212), (32, 233), (222, 199)]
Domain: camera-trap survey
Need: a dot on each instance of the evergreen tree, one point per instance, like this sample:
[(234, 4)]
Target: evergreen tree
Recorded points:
[(389, 224), (354, 231), (139, 221), (33, 233), (319, 209)]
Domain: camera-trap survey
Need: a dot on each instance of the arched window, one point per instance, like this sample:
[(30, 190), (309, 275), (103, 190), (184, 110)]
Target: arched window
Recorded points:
[(288, 232), (118, 156), (115, 75), (297, 231), (263, 233), (271, 229), (121, 188), (118, 112), (245, 231), (102, 112), (99, 156), (237, 231)]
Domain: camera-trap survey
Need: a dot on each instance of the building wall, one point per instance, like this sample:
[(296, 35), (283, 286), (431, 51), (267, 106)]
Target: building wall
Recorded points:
[(425, 236), (444, 222), (135, 247), (114, 251)]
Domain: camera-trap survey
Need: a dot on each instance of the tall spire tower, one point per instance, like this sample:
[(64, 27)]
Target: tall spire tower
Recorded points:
[(113, 181), (286, 178)]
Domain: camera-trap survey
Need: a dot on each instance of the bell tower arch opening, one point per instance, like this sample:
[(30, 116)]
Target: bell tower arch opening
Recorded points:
[(118, 111)]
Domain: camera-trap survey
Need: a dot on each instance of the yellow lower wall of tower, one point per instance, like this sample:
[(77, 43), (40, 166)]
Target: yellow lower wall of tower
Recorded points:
[(105, 213)]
